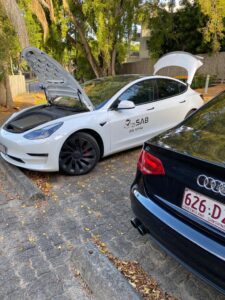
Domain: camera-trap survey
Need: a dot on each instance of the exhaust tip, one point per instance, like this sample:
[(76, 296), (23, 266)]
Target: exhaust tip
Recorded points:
[(141, 229), (135, 222)]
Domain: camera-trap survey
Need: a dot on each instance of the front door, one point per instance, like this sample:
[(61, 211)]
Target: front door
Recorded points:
[(131, 127)]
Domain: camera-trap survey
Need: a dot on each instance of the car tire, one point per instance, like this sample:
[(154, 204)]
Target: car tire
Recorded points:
[(190, 113), (79, 154)]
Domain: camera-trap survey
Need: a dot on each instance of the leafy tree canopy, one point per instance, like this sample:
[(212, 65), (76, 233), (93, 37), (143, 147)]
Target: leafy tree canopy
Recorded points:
[(173, 30), (75, 31), (9, 46), (214, 29)]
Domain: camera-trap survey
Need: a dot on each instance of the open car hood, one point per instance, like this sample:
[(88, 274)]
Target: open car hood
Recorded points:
[(180, 59), (57, 82)]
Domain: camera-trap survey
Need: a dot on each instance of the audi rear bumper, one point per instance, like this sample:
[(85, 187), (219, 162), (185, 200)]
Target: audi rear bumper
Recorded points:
[(199, 253)]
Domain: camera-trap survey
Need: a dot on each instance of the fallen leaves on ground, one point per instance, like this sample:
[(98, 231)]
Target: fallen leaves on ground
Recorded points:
[(42, 181), (137, 277)]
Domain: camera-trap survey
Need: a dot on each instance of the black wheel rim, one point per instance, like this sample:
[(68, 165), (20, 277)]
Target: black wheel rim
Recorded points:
[(77, 156)]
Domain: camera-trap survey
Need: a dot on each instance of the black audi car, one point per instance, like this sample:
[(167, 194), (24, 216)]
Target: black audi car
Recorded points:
[(178, 195)]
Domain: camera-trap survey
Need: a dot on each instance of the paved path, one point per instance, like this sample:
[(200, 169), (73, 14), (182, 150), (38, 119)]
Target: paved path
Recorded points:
[(99, 203), (35, 249), (36, 241), (212, 91)]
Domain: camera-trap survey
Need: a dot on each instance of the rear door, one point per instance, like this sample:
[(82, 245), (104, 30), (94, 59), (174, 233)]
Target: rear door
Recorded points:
[(172, 105)]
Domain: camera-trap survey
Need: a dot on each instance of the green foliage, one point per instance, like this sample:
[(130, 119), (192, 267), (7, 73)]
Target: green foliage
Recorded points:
[(9, 46), (179, 30), (33, 26), (107, 26), (110, 26), (135, 47), (214, 29), (199, 81)]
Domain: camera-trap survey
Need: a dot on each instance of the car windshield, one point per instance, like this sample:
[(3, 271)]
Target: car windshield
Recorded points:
[(101, 90)]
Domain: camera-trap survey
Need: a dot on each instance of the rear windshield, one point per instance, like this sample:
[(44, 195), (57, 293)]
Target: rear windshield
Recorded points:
[(211, 117)]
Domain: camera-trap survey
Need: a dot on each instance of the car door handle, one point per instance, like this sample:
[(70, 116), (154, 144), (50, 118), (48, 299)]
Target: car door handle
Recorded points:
[(151, 108), (182, 101)]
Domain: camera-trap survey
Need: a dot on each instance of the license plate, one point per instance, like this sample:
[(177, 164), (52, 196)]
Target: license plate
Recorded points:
[(211, 211), (3, 149)]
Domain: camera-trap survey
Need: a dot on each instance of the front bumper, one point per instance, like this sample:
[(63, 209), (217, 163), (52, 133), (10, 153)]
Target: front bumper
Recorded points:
[(199, 253), (40, 155)]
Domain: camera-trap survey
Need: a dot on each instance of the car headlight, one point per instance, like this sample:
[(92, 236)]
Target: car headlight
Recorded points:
[(43, 133)]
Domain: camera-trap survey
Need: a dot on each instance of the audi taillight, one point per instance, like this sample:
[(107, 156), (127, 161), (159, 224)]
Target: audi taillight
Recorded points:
[(148, 164)]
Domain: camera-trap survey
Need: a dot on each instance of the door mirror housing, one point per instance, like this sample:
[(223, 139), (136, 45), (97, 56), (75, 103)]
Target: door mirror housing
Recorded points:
[(125, 104)]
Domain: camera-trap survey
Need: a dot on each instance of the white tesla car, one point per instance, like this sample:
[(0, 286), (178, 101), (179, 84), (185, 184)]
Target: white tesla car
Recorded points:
[(79, 125)]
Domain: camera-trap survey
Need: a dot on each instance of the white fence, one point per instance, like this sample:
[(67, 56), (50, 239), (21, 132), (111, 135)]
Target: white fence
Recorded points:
[(17, 84)]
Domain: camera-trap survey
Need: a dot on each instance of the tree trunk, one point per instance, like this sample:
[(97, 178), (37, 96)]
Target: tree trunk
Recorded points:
[(113, 61), (87, 48), (9, 99), (6, 95), (16, 17), (2, 93)]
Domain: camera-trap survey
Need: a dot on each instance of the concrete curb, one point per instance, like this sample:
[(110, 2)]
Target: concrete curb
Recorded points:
[(23, 184), (104, 280)]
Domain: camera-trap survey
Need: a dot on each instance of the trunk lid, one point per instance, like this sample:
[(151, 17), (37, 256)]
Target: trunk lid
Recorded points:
[(182, 174), (57, 82), (180, 59)]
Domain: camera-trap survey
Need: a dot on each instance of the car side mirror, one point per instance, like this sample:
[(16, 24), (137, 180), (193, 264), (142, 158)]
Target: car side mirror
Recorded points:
[(125, 104)]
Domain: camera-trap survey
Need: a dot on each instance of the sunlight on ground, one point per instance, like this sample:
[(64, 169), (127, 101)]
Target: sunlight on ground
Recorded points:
[(31, 98), (39, 98)]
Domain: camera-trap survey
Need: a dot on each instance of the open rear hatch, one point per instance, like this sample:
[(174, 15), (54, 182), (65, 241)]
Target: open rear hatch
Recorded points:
[(181, 59)]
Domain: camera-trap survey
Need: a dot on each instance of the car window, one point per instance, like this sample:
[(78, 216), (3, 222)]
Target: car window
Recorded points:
[(141, 92), (169, 88)]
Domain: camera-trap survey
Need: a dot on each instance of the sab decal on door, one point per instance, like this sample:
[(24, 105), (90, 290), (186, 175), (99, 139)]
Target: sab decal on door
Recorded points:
[(131, 127)]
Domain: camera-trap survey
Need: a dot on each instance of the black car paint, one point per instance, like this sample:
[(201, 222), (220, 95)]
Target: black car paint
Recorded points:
[(195, 146)]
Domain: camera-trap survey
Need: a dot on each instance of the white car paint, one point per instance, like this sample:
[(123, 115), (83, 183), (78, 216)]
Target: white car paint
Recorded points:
[(119, 129), (180, 59)]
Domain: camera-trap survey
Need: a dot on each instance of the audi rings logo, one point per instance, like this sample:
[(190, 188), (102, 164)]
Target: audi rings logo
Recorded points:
[(212, 184)]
